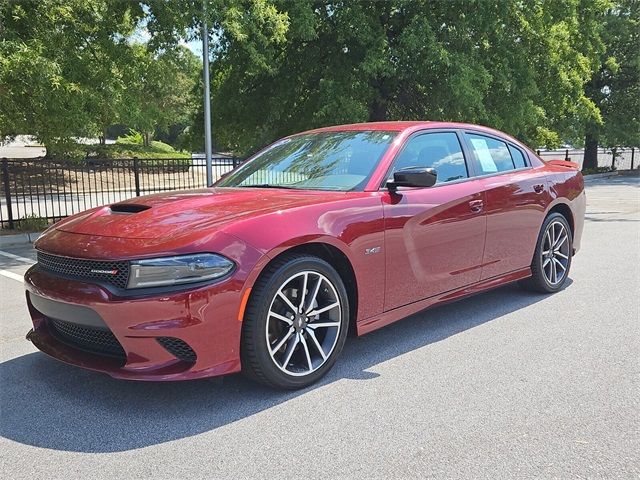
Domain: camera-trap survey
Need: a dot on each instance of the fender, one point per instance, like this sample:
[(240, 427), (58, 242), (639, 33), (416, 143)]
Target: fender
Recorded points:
[(353, 224)]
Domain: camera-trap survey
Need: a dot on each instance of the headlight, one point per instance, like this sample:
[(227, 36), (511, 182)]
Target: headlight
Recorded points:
[(169, 271)]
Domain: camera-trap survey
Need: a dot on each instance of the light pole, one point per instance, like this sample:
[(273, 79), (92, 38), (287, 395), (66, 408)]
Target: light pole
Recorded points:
[(207, 99)]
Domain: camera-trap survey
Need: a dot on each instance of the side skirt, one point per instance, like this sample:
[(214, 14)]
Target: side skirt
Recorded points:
[(385, 318)]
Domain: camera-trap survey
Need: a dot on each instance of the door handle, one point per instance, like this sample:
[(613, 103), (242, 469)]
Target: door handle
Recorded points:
[(476, 205), (538, 188)]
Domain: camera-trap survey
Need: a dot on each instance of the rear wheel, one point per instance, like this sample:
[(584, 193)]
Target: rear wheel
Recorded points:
[(552, 258), (295, 324)]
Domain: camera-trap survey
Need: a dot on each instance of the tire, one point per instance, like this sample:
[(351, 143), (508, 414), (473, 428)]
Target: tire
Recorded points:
[(286, 348), (550, 267)]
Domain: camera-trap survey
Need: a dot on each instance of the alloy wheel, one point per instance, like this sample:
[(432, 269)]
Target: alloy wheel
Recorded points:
[(555, 253), (303, 324)]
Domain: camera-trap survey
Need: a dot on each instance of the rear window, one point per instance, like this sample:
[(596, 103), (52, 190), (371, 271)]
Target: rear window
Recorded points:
[(518, 157), (492, 155)]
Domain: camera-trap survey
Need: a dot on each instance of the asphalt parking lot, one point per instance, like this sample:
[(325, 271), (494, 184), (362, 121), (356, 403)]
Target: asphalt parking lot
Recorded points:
[(503, 384)]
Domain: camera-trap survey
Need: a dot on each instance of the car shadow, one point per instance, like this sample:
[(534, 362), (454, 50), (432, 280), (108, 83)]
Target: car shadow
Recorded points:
[(48, 404)]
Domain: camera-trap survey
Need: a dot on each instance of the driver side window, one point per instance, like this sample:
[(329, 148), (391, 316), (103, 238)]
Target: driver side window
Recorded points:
[(440, 151)]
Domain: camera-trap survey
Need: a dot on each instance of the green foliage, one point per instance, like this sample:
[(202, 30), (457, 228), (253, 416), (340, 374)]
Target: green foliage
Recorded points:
[(71, 69), (60, 72), (133, 138), (614, 87), (132, 145), (621, 106), (32, 223), (517, 66), (162, 89), (594, 170), (546, 71)]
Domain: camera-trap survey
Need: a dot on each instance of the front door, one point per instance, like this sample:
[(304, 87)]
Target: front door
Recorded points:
[(434, 237)]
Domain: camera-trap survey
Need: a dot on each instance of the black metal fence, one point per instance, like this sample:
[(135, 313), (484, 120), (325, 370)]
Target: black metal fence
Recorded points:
[(43, 190), (618, 158), (37, 191)]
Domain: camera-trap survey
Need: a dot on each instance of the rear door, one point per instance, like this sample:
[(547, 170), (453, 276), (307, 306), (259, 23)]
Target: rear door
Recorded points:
[(516, 197), (434, 237)]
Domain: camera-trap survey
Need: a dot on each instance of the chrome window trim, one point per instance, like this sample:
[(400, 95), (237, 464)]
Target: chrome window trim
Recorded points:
[(471, 167)]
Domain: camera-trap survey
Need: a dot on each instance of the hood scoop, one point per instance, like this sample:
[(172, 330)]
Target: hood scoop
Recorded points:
[(128, 208)]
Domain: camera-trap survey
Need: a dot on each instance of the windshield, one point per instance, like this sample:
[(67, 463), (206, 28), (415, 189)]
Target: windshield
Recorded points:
[(319, 161)]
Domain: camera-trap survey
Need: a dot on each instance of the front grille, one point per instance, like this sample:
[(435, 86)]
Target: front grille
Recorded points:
[(178, 348), (94, 340), (113, 272)]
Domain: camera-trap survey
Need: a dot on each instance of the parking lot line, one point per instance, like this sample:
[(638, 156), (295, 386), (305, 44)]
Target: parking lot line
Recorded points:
[(11, 275), (30, 261)]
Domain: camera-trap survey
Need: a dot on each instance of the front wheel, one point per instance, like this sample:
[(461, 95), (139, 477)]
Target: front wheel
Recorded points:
[(552, 257), (295, 324)]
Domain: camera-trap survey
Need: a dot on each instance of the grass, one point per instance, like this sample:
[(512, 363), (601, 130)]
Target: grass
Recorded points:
[(131, 146), (591, 171), (28, 224), (128, 146)]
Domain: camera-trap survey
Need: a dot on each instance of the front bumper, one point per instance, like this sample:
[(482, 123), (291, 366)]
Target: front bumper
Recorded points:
[(205, 318)]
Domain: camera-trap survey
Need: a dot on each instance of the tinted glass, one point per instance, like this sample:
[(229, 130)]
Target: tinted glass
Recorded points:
[(492, 155), (317, 161), (440, 151), (518, 157)]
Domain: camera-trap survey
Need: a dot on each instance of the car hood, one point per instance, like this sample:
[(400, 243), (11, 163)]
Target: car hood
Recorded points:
[(175, 213)]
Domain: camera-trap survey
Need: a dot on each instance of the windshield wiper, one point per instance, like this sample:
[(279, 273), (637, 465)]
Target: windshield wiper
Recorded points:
[(268, 185)]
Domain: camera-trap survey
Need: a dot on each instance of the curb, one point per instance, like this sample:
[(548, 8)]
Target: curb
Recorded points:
[(594, 176), (21, 238), (629, 173), (616, 173)]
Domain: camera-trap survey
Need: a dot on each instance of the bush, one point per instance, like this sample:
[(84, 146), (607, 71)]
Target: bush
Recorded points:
[(134, 138), (590, 171), (32, 223), (65, 149), (126, 146), (131, 145)]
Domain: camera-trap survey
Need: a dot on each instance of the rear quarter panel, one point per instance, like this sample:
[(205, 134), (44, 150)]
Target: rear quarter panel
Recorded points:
[(566, 186)]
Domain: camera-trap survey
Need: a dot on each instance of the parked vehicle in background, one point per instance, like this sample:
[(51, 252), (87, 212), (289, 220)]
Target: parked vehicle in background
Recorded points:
[(342, 228)]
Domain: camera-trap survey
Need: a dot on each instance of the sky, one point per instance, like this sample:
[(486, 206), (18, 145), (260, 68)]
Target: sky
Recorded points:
[(141, 35)]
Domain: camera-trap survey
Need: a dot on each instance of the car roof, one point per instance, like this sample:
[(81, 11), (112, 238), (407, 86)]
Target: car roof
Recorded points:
[(399, 126), (410, 126), (388, 126)]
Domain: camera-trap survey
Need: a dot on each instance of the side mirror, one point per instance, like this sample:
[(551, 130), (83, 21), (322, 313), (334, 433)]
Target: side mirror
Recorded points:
[(413, 177)]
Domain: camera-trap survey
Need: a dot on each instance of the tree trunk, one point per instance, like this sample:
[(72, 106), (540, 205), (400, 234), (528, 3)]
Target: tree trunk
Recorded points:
[(378, 111), (103, 138), (590, 151), (146, 139)]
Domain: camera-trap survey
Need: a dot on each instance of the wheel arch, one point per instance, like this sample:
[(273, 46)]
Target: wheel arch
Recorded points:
[(564, 210), (335, 257)]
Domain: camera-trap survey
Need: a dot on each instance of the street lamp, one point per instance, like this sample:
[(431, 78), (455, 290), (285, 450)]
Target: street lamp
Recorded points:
[(207, 99)]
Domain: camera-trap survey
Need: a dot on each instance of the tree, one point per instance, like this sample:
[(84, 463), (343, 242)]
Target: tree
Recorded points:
[(61, 69), (615, 84), (70, 68), (161, 90), (255, 27), (517, 66)]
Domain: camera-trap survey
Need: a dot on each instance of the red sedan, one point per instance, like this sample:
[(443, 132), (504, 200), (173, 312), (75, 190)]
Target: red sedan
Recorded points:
[(336, 229)]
